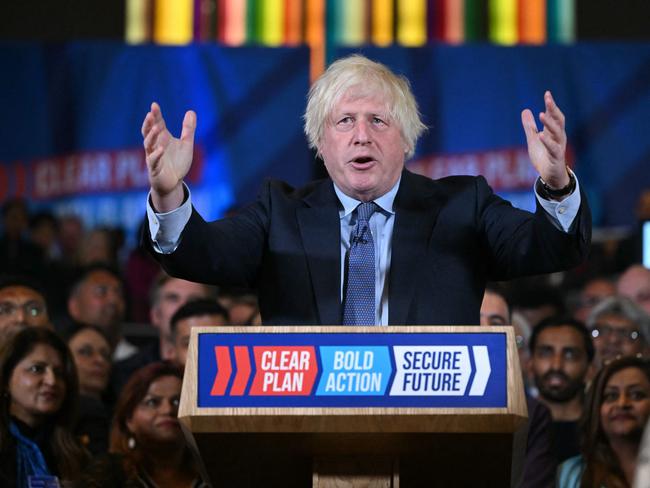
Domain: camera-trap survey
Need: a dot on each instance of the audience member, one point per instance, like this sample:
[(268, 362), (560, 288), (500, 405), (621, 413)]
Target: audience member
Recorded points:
[(195, 313), (98, 246), (539, 463), (43, 231), (147, 445), (561, 352), (71, 232), (22, 304), (97, 298), (168, 294), (140, 273), (39, 395), (243, 308), (619, 328), (496, 311), (536, 299), (92, 356), (616, 411), (634, 283), (591, 294)]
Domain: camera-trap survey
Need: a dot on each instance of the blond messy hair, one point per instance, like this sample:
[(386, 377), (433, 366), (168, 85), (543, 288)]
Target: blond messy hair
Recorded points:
[(359, 76)]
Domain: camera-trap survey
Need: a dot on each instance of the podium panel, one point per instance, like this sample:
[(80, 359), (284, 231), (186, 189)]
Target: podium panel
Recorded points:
[(353, 406)]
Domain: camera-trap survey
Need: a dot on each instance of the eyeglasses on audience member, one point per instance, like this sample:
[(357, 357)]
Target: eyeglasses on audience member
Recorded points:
[(31, 308)]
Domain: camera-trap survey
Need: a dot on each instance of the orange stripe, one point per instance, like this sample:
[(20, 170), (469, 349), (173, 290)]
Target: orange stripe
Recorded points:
[(532, 21), (293, 22), (316, 36)]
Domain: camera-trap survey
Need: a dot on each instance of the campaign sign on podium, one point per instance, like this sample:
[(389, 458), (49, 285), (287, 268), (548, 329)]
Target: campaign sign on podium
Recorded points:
[(310, 406), (352, 370)]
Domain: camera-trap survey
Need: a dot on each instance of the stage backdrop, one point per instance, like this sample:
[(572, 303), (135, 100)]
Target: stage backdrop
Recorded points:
[(71, 116)]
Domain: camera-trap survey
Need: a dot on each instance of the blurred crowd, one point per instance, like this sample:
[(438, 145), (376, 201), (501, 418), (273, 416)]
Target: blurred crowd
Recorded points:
[(94, 339)]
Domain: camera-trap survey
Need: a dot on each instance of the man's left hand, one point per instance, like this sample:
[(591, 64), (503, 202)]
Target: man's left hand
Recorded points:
[(547, 149)]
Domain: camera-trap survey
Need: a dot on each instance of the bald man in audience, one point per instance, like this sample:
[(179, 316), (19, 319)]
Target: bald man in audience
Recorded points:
[(634, 283), (168, 294)]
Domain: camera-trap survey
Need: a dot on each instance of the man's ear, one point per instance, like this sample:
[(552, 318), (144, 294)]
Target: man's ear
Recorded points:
[(73, 306), (529, 367)]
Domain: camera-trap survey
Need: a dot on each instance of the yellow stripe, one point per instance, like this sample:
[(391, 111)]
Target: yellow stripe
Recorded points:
[(503, 21), (272, 33), (412, 22), (173, 21)]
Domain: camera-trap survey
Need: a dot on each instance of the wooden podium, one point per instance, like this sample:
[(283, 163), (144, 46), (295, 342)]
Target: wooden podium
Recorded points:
[(360, 407)]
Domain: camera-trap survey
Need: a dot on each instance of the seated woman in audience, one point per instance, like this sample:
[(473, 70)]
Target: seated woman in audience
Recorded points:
[(39, 395), (92, 356), (617, 409), (148, 448)]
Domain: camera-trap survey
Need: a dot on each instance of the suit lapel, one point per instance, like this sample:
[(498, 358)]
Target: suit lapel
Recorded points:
[(320, 230), (416, 211)]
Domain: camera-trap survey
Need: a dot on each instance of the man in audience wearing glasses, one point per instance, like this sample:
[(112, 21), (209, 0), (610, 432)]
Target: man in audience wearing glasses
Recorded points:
[(618, 327), (22, 304)]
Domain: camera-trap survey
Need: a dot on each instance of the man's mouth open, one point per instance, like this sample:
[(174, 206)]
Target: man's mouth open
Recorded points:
[(362, 162)]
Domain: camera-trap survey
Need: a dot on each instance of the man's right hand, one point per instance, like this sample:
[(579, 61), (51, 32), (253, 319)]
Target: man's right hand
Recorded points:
[(168, 158)]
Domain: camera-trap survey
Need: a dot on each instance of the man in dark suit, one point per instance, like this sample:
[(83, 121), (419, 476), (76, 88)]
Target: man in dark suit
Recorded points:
[(431, 244)]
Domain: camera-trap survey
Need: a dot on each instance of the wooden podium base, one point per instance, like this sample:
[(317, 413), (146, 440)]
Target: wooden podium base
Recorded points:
[(360, 460), (375, 472)]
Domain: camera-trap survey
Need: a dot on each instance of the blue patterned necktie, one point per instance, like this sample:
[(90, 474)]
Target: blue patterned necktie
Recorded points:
[(359, 306)]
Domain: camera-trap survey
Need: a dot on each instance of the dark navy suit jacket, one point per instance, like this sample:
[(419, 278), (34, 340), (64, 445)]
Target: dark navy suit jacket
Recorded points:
[(450, 236)]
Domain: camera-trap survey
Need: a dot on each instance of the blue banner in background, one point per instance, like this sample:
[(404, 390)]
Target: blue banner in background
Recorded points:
[(71, 117), (72, 114), (471, 98)]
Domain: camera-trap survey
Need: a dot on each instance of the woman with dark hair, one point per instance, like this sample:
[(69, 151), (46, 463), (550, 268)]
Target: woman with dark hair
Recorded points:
[(39, 395), (617, 409), (147, 448), (92, 354)]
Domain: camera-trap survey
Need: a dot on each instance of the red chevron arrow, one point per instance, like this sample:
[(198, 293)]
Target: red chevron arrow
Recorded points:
[(243, 362), (224, 370)]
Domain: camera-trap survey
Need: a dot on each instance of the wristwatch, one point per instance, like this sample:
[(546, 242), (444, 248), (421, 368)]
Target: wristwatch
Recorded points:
[(546, 191)]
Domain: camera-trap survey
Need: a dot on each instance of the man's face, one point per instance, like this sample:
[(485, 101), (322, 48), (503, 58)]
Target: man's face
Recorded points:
[(591, 295), (183, 330), (494, 310), (172, 295), (21, 306), (635, 284), (99, 301), (362, 147), (615, 335), (559, 363)]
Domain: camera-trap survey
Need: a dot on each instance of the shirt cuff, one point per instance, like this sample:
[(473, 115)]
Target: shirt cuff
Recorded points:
[(562, 214), (165, 228)]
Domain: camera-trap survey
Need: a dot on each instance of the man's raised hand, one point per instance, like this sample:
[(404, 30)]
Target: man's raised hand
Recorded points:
[(168, 158), (547, 149)]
